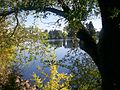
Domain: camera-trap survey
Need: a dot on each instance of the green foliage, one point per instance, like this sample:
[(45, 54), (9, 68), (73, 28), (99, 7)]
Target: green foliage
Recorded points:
[(35, 45), (6, 58), (85, 75), (65, 34), (91, 30), (33, 42), (20, 41), (56, 34), (7, 49), (38, 81), (54, 82), (20, 4), (70, 31), (114, 12)]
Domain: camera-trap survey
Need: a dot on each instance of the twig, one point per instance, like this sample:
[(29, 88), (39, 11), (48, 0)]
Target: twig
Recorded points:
[(2, 19), (16, 25)]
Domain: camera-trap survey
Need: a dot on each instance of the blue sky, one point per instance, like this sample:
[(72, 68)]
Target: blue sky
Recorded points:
[(49, 23), (97, 23)]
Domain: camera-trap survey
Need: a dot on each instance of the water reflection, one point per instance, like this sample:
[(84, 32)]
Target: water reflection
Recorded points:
[(61, 47), (71, 60), (66, 43)]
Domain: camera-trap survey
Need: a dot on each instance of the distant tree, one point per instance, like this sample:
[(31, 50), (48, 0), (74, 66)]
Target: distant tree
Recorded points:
[(64, 34), (55, 34), (51, 34), (59, 34), (90, 28), (70, 32)]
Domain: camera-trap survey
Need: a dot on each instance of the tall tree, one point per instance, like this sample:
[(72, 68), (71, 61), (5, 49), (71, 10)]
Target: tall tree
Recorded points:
[(109, 45)]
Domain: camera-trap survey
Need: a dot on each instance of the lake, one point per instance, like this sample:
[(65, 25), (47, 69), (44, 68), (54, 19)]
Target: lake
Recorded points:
[(68, 54)]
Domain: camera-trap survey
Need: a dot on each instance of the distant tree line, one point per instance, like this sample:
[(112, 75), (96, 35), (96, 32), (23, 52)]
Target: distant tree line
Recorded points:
[(89, 28), (69, 33), (57, 34)]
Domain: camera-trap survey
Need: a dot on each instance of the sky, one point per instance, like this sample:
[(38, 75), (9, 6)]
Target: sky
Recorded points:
[(49, 22), (97, 23)]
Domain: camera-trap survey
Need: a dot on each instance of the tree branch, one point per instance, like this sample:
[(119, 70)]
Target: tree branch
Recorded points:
[(64, 6), (5, 13), (88, 44), (16, 25), (56, 11), (53, 10), (2, 18)]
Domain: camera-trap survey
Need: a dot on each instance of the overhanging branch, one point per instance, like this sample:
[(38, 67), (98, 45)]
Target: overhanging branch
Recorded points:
[(53, 10), (65, 8), (7, 12), (56, 11), (90, 45)]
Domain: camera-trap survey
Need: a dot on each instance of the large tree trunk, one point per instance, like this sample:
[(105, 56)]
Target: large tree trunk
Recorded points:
[(109, 45), (106, 53)]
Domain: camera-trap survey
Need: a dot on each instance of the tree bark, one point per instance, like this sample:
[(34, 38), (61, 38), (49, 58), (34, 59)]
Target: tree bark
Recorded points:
[(109, 45)]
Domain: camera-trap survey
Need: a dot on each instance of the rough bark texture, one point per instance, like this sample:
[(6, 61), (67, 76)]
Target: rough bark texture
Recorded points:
[(109, 45), (106, 53)]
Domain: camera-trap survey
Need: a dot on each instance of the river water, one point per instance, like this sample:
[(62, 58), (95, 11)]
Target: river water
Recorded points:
[(67, 52)]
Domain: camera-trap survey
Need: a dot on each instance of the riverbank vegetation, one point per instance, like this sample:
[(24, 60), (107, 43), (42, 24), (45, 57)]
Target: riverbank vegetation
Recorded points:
[(34, 42)]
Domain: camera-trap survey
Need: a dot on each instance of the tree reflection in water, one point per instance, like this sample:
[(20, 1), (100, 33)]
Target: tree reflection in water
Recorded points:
[(84, 71), (85, 75)]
